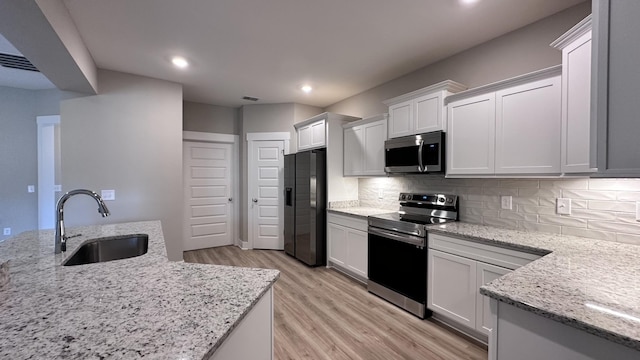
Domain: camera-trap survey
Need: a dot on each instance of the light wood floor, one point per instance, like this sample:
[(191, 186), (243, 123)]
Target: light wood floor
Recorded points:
[(322, 314)]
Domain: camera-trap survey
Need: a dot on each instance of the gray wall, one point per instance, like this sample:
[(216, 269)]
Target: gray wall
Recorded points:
[(209, 118), (519, 52), (18, 156), (127, 138), (266, 118)]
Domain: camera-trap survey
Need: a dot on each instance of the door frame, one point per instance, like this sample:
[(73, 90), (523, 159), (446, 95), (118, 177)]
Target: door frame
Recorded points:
[(196, 136), (262, 136), (46, 172)]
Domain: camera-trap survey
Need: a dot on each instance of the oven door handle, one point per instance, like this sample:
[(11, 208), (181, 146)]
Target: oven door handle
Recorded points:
[(405, 238)]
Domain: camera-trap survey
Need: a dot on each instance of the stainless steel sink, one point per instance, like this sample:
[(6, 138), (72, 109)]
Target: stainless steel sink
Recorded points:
[(110, 248)]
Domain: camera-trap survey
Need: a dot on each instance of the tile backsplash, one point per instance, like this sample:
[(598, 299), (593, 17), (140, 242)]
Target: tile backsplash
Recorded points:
[(602, 209)]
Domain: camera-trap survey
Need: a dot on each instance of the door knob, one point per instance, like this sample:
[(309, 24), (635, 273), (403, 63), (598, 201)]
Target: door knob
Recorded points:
[(255, 200), (230, 199)]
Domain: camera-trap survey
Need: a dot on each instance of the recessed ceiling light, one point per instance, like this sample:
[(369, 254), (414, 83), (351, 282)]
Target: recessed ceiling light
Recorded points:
[(306, 88), (180, 62), (469, 2)]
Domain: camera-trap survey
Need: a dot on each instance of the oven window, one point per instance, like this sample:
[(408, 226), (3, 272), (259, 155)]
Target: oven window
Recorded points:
[(398, 266), (431, 154), (402, 156)]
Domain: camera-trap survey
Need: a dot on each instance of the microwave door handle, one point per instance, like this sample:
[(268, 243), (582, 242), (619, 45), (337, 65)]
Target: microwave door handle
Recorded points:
[(420, 165)]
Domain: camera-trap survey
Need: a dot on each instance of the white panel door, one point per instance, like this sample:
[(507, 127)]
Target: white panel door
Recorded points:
[(353, 151), (576, 105), (528, 126), (486, 273), (357, 252), (207, 195), (471, 135), (400, 119), (428, 116), (451, 289), (337, 244), (375, 135), (266, 183)]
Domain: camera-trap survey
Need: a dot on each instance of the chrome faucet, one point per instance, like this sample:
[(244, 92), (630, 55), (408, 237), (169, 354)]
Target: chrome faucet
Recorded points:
[(61, 237)]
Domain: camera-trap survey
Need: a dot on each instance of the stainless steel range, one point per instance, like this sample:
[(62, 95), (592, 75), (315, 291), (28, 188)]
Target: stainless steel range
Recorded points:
[(398, 248)]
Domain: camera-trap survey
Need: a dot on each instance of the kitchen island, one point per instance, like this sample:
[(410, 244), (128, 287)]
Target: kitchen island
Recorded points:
[(580, 300), (141, 307)]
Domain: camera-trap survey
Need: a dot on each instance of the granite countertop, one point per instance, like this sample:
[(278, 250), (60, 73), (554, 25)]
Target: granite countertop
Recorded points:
[(125, 309), (588, 284), (360, 211)]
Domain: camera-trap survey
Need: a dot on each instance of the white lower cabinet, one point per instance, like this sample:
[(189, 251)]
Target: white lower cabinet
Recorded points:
[(347, 245), (457, 270)]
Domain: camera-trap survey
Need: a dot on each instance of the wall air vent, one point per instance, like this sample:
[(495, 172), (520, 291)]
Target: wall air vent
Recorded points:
[(16, 62), (250, 98)]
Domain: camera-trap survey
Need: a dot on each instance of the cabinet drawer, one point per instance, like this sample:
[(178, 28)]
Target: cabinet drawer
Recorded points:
[(348, 221), (507, 258)]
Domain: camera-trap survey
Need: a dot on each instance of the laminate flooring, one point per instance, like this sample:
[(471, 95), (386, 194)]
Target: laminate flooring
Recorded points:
[(320, 313)]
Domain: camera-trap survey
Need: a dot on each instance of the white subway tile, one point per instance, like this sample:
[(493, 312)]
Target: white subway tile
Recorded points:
[(533, 209), (511, 215), (547, 193), (628, 239), (525, 200), (493, 205), (628, 196), (492, 221), (562, 221), (531, 226), (500, 191), (593, 214), (531, 217), (615, 226), (547, 202), (578, 204), (471, 204), (618, 206), (565, 184), (475, 219), (483, 212), (512, 183), (615, 184), (589, 194), (628, 218), (589, 233)]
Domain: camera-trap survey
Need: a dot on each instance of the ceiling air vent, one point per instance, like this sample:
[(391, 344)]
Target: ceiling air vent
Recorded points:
[(16, 62), (250, 98)]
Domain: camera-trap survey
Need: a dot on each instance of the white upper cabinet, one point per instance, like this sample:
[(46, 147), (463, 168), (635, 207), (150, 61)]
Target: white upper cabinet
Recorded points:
[(507, 128), (420, 111), (528, 128), (575, 45), (313, 135), (472, 128), (364, 146)]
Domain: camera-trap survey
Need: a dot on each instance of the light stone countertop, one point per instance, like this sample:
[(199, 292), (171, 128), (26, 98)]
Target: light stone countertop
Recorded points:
[(360, 211), (588, 284), (140, 307)]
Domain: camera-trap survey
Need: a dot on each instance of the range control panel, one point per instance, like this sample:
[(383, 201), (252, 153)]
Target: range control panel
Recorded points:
[(434, 199)]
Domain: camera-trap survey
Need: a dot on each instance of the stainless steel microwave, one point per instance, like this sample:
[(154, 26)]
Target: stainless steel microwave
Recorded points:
[(415, 154)]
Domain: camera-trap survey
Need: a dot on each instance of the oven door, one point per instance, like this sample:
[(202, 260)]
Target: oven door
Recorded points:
[(398, 262)]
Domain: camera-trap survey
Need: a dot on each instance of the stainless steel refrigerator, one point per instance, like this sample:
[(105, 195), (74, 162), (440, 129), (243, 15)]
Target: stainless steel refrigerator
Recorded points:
[(305, 206)]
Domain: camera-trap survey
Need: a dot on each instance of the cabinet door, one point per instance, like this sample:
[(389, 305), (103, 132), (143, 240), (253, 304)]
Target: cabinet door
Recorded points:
[(576, 106), (375, 135), (486, 273), (357, 252), (428, 113), (353, 151), (304, 137), (337, 243), (318, 134), (400, 119), (471, 135), (451, 289), (528, 126)]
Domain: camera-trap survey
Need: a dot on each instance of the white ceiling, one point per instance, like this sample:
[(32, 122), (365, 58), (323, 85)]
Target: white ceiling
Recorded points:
[(21, 79), (269, 48)]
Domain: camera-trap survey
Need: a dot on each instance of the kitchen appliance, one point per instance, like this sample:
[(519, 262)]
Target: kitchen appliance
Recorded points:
[(423, 153), (397, 257), (305, 192)]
